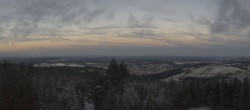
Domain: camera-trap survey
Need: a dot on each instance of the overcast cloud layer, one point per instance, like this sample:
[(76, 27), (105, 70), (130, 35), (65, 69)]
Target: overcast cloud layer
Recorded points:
[(152, 27)]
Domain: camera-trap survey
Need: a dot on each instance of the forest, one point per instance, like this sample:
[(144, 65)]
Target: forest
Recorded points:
[(25, 87)]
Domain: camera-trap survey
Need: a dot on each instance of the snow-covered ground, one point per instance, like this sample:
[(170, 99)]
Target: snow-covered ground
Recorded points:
[(201, 108), (146, 69), (89, 106), (57, 64), (212, 71), (181, 63), (75, 65)]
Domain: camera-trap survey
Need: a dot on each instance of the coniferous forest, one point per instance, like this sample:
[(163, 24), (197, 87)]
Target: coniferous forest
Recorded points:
[(25, 87), (124, 55)]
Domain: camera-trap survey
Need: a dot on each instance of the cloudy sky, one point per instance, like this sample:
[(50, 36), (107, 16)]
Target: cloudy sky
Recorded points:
[(124, 27)]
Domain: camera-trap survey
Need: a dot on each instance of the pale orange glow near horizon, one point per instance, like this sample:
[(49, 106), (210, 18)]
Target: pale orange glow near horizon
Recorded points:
[(165, 26)]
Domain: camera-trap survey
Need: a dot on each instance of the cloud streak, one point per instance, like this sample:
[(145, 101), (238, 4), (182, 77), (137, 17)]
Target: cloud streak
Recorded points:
[(110, 23), (232, 15), (20, 18)]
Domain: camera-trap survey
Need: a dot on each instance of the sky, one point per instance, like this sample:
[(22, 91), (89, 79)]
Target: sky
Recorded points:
[(124, 27)]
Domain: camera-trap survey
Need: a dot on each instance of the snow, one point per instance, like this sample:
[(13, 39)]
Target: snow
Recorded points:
[(181, 63), (201, 108), (89, 106), (248, 67), (211, 71), (57, 64), (145, 69), (49, 64), (75, 65), (91, 63)]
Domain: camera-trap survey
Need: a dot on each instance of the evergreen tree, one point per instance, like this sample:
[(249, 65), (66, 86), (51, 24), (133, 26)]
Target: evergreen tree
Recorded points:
[(123, 74), (22, 65), (117, 73), (246, 94), (112, 72), (217, 95), (5, 64)]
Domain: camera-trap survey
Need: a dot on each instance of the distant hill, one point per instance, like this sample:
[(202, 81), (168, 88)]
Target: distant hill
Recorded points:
[(212, 71)]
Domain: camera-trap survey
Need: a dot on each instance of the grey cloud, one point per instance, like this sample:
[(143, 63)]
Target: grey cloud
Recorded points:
[(24, 17), (106, 27), (9, 41), (1, 38), (172, 20), (218, 27), (146, 33), (1, 29), (44, 9), (23, 29), (134, 24), (212, 39), (204, 21), (145, 22), (95, 32), (141, 33), (94, 14), (190, 16), (30, 39), (110, 16), (232, 15)]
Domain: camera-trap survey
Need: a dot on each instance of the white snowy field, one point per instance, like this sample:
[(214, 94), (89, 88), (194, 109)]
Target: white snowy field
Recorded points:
[(212, 71), (89, 106), (58, 64)]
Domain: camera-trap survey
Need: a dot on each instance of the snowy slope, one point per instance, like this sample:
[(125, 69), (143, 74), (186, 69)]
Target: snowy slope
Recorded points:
[(57, 64), (212, 71)]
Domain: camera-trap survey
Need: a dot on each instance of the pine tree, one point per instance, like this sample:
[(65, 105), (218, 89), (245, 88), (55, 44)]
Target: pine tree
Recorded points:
[(117, 73), (123, 74), (5, 64), (112, 72), (246, 93), (22, 65)]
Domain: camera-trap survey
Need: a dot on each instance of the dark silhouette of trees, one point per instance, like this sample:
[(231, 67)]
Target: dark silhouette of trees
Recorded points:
[(22, 65), (110, 86), (5, 64), (117, 74), (17, 91), (61, 88)]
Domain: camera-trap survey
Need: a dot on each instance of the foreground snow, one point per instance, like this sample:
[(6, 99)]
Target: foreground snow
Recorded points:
[(202, 108), (89, 106)]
